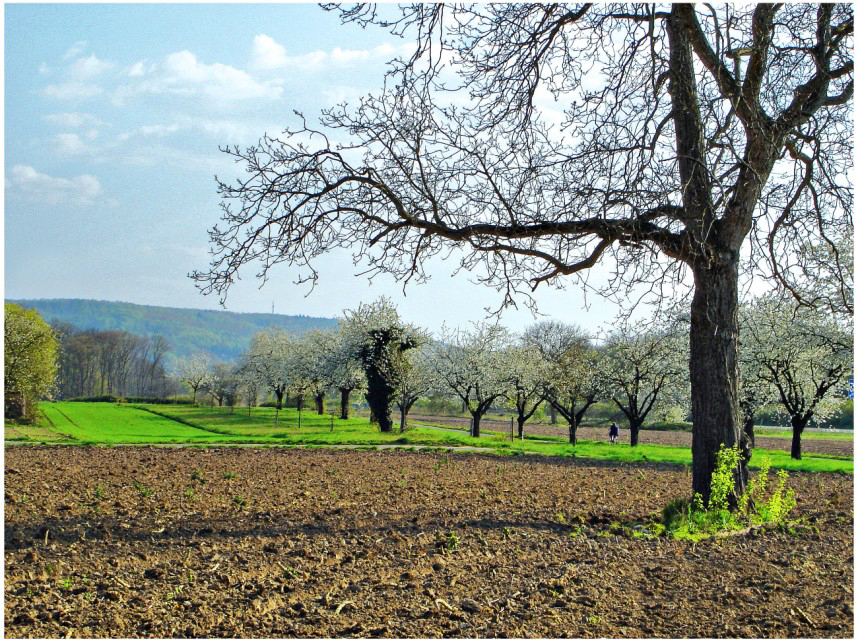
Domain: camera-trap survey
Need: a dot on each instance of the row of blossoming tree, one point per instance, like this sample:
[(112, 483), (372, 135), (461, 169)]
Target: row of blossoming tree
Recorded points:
[(795, 360)]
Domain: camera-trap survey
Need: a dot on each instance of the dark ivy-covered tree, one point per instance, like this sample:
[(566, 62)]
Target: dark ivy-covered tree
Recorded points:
[(379, 340), (693, 138)]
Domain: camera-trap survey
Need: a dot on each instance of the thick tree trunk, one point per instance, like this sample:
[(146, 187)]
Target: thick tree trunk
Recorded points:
[(385, 423), (278, 406), (748, 429), (344, 402), (798, 425), (714, 372), (552, 412), (379, 396), (634, 432), (320, 403), (475, 430), (520, 420), (573, 425)]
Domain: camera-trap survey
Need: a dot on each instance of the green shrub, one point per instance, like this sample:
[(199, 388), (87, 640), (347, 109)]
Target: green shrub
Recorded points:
[(690, 519)]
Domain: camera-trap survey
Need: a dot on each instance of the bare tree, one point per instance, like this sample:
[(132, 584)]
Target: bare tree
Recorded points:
[(688, 134), (114, 362)]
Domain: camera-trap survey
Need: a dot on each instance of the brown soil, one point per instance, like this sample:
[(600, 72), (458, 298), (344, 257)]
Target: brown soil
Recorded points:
[(664, 437), (315, 543)]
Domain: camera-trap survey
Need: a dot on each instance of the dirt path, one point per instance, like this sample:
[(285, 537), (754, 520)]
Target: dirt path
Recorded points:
[(253, 542)]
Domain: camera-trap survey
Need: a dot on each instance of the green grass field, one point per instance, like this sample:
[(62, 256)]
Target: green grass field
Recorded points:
[(109, 423), (816, 434)]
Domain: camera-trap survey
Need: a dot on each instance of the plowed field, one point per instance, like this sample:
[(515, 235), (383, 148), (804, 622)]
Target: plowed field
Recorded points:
[(147, 542)]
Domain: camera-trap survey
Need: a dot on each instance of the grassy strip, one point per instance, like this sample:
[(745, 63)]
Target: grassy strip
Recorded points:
[(315, 430), (786, 434), (182, 421), (110, 423)]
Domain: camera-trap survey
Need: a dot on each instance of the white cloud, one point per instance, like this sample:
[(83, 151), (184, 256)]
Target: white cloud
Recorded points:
[(183, 71), (73, 119), (159, 130), (139, 69), (25, 182), (268, 54), (72, 90), (79, 76), (71, 144), (88, 68), (336, 94), (182, 74), (75, 50), (230, 130)]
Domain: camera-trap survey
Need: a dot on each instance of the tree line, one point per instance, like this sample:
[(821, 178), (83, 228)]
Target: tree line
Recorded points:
[(796, 359), (110, 362)]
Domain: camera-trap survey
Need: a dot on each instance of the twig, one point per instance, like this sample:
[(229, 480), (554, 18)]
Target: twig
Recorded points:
[(341, 606)]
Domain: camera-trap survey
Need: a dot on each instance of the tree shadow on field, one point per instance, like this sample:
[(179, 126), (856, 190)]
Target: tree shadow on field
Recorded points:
[(567, 461), (107, 530)]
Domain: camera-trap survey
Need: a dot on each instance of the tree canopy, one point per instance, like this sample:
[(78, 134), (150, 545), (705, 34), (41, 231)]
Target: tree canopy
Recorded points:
[(29, 361)]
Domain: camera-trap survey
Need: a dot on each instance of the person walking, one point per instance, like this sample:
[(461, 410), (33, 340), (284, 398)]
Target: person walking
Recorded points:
[(614, 432)]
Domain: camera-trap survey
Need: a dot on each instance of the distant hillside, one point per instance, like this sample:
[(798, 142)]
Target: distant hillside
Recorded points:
[(221, 335)]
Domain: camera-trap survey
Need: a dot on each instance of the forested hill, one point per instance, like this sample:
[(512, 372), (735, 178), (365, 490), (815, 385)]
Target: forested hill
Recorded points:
[(221, 335)]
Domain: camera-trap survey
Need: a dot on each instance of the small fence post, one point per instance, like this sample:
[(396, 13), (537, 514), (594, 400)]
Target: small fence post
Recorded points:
[(511, 429), (471, 427), (332, 423)]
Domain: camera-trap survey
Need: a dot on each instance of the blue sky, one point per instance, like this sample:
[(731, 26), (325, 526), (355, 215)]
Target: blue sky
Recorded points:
[(113, 118)]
